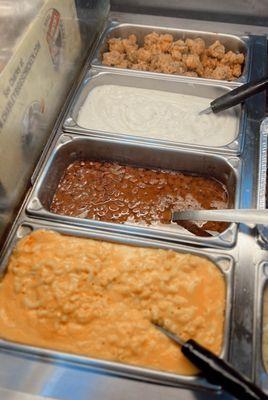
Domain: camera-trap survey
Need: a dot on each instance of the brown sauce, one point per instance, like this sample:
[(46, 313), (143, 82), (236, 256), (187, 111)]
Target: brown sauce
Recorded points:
[(111, 192)]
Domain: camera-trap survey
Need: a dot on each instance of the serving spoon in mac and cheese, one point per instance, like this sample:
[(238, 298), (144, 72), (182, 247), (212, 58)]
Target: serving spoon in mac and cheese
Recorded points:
[(216, 370)]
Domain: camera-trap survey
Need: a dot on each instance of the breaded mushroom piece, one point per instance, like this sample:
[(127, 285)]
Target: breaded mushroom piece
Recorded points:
[(142, 66), (208, 62), (165, 43), (232, 58), (216, 50), (115, 44), (180, 45), (113, 58), (160, 62), (191, 74), (196, 46), (130, 43), (193, 63), (144, 55), (161, 53), (222, 72), (150, 39), (236, 70)]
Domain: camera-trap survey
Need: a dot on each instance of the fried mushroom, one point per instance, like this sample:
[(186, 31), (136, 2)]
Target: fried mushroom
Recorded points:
[(216, 50)]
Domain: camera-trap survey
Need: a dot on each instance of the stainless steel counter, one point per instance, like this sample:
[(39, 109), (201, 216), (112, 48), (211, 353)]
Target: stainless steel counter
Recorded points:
[(61, 379), (13, 395), (74, 383)]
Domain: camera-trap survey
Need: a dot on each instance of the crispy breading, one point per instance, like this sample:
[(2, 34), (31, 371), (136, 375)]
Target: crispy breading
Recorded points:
[(161, 53)]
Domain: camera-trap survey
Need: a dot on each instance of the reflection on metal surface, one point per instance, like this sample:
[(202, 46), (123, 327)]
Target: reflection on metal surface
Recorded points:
[(260, 372), (6, 394), (57, 380), (262, 179)]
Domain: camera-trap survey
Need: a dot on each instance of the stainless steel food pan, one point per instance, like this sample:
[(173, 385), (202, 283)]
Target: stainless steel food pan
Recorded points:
[(205, 89), (260, 372), (76, 147), (241, 44), (223, 261), (262, 178)]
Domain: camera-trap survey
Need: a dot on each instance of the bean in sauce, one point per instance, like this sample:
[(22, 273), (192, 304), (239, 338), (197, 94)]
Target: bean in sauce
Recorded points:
[(111, 192)]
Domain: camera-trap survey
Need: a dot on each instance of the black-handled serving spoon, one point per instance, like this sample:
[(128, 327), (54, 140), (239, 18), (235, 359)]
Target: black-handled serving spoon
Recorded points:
[(216, 370), (236, 96)]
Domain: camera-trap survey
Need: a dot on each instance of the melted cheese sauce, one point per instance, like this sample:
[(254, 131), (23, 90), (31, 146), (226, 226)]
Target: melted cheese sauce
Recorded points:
[(156, 114), (96, 298)]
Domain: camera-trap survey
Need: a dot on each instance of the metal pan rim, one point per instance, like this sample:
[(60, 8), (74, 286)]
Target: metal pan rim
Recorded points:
[(128, 370), (225, 239)]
